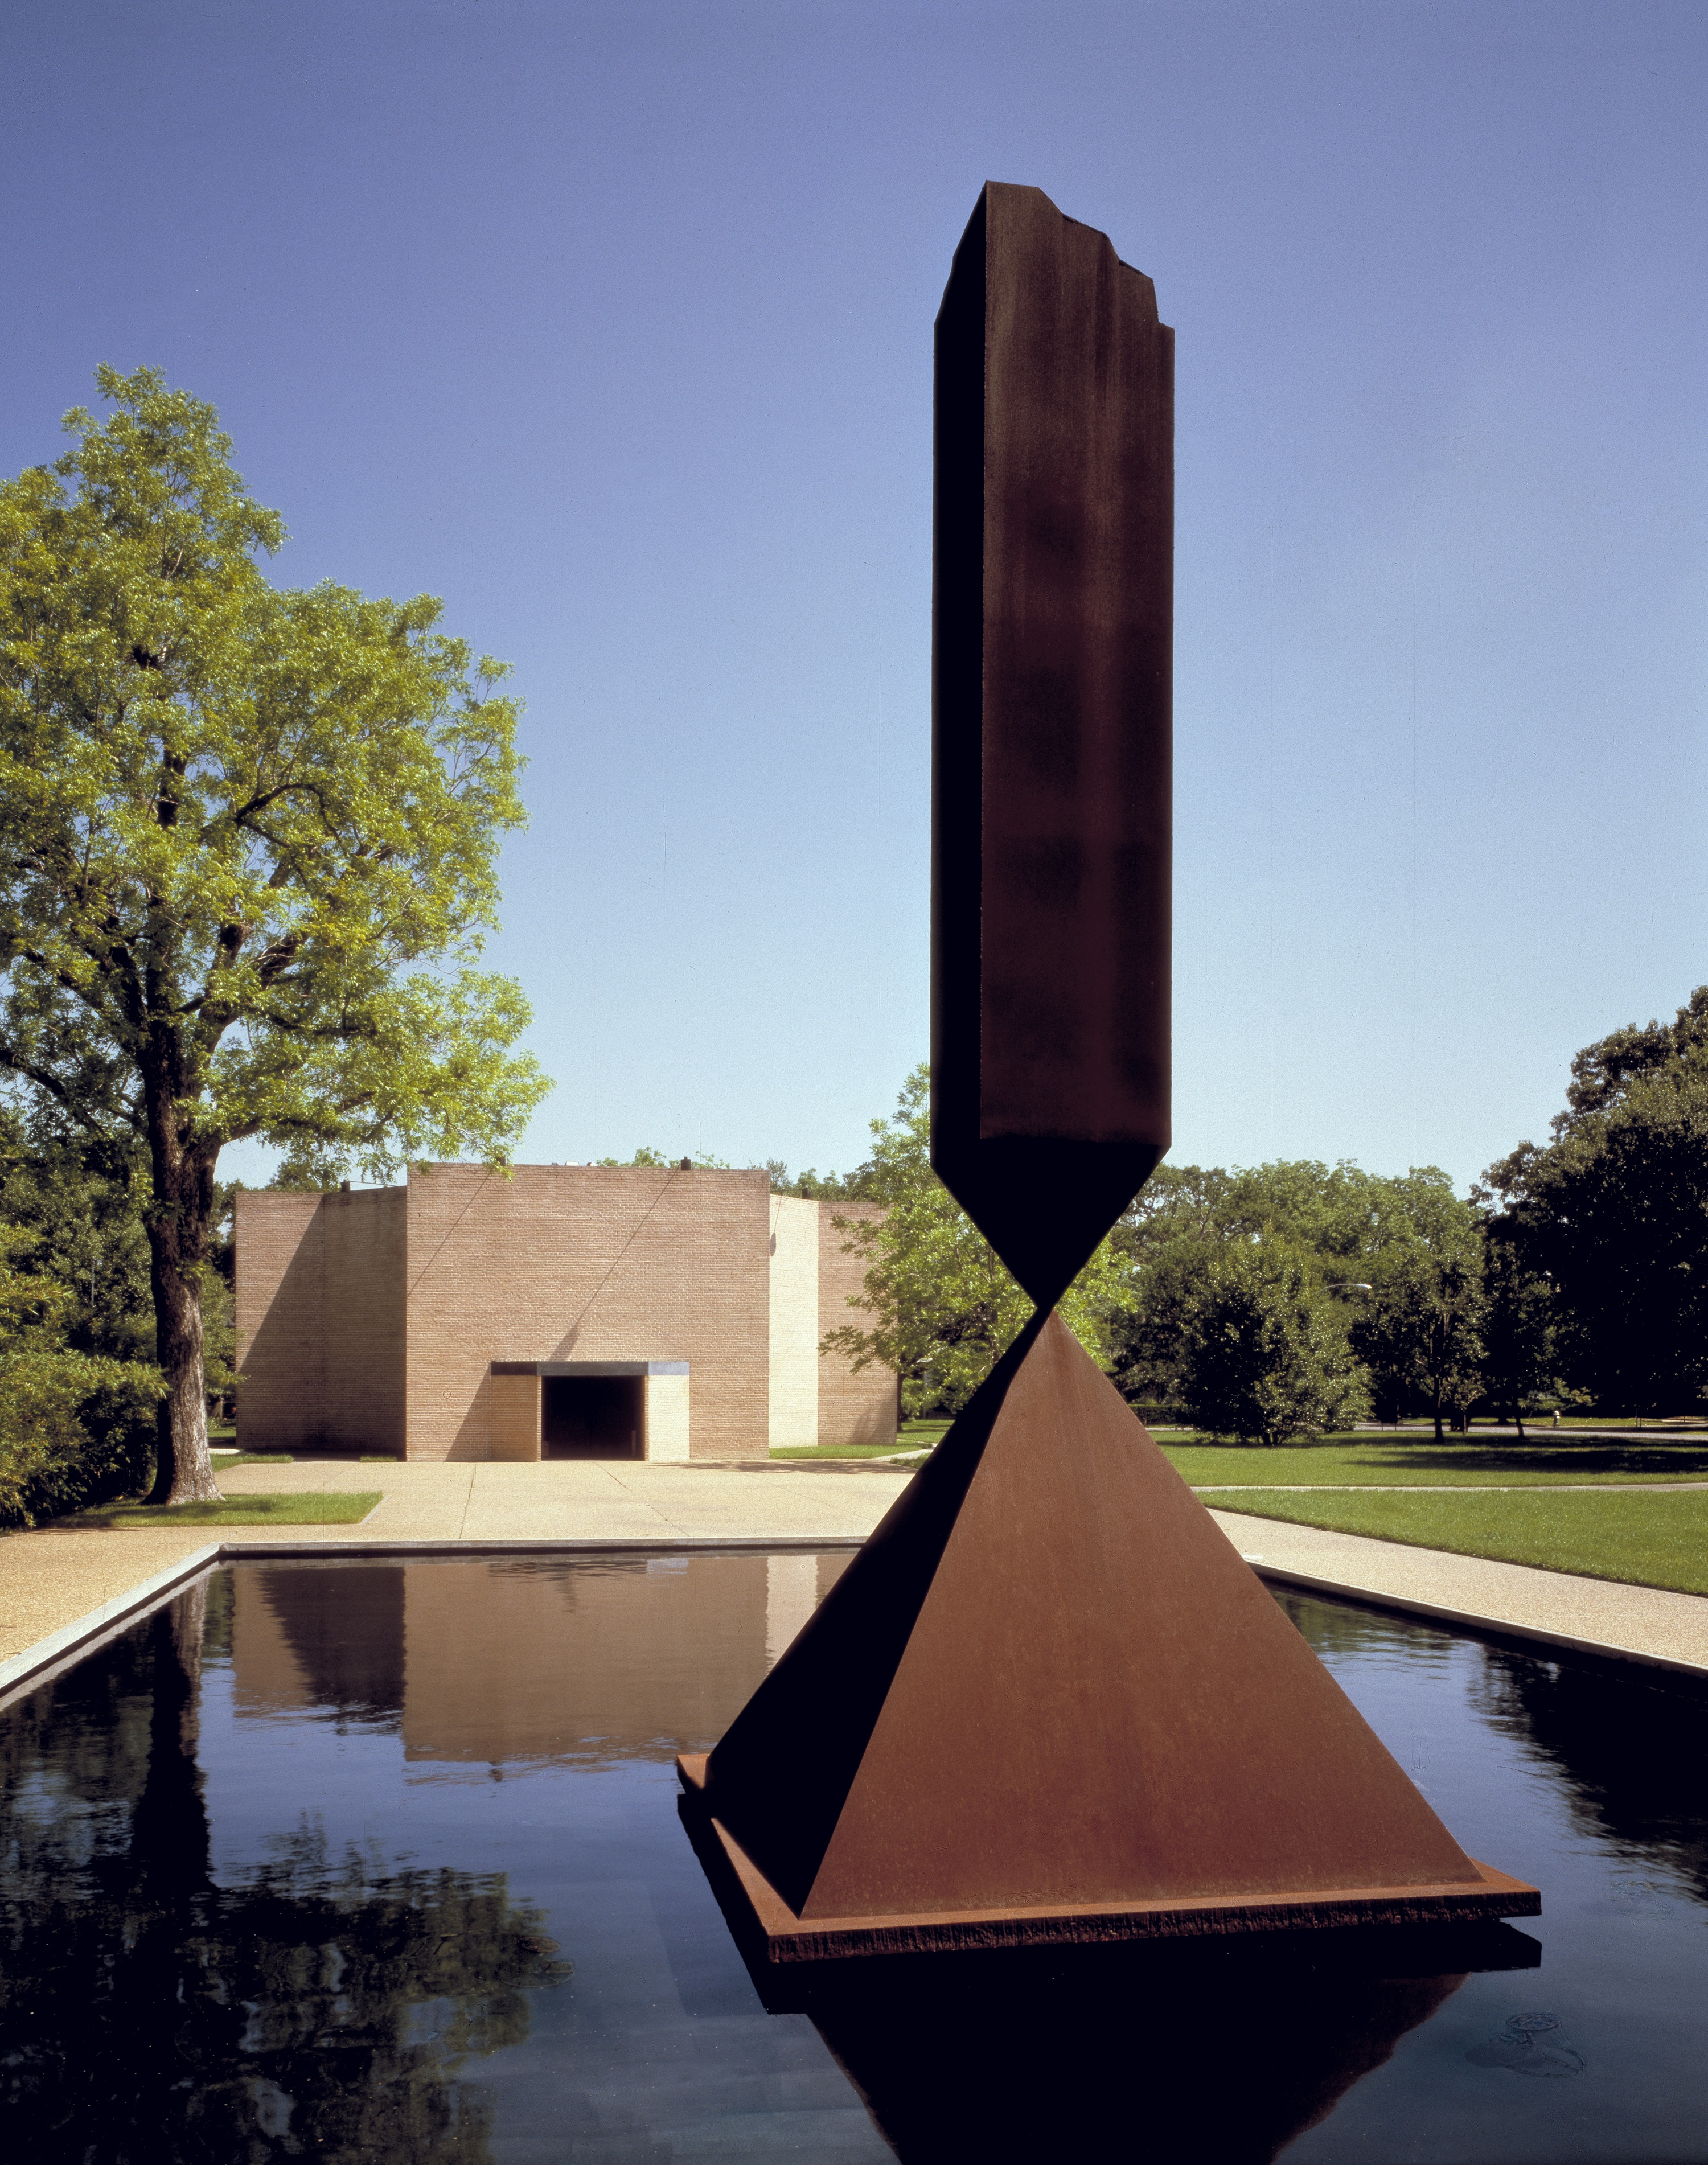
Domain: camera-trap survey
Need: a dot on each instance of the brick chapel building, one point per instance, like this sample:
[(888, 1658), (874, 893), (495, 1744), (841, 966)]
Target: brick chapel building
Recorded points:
[(554, 1310)]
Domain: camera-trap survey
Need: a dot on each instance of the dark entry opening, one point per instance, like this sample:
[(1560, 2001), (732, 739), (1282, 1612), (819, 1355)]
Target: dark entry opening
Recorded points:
[(592, 1416)]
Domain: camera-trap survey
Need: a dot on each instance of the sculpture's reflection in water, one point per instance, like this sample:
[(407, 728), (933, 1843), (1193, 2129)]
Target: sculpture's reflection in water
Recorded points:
[(1224, 2053)]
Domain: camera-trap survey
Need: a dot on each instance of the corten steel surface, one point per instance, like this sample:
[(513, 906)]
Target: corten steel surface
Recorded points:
[(1051, 696), (1049, 1700)]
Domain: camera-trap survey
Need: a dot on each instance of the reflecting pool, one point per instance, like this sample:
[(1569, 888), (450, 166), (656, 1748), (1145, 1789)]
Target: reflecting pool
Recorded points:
[(382, 1861)]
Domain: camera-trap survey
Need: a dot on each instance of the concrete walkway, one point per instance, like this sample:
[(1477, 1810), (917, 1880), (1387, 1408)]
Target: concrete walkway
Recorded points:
[(1429, 1487), (1671, 1628), (53, 1578)]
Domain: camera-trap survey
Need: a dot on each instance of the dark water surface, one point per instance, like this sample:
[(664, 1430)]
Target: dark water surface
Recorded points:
[(381, 1861)]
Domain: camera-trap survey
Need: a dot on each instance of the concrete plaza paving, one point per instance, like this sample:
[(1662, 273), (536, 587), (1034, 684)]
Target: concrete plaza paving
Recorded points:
[(52, 1578)]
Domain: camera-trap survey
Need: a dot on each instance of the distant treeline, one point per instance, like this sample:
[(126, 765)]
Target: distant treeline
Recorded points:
[(1297, 1297)]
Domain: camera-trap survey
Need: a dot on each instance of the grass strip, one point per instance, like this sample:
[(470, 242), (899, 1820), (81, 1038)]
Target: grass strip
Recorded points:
[(1394, 1461), (837, 1449), (1659, 1540), (332, 1509)]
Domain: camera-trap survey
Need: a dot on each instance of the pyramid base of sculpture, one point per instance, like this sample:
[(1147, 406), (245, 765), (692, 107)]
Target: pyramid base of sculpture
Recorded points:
[(1050, 1703), (763, 1922)]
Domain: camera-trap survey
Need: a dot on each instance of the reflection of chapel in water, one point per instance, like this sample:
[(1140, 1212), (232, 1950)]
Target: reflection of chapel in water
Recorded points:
[(450, 1652)]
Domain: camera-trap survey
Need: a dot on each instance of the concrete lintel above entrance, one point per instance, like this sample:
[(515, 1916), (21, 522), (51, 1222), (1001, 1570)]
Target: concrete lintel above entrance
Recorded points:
[(590, 1367)]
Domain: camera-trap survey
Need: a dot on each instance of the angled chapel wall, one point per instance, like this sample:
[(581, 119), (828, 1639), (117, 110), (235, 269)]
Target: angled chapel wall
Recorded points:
[(280, 1270), (320, 1318), (587, 1263)]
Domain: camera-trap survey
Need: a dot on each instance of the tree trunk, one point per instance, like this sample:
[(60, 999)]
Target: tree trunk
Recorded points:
[(178, 1226), (183, 1470), (1436, 1408)]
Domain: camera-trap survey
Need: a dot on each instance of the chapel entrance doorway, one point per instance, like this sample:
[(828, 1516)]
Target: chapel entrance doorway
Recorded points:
[(593, 1417)]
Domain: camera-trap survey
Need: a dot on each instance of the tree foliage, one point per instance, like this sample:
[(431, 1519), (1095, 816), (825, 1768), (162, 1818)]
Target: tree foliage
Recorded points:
[(1350, 1232), (81, 1225), (1614, 1214), (943, 1308), (247, 851), (1520, 1362), (72, 1423), (1264, 1355), (1604, 1073), (1418, 1329), (812, 1186)]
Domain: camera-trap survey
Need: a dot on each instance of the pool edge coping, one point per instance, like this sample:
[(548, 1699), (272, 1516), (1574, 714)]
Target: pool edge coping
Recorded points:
[(1491, 1627), (61, 1648)]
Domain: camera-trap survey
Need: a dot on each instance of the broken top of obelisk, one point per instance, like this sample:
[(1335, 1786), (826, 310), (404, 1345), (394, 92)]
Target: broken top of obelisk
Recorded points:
[(1052, 768)]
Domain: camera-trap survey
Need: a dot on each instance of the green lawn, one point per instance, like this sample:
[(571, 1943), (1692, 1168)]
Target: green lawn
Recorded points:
[(224, 1465), (335, 1509), (838, 1450), (1365, 1460), (1644, 1540), (911, 1436), (1636, 1424)]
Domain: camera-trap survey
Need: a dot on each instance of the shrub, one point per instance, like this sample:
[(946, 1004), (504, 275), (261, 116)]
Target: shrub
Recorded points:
[(1265, 1355), (75, 1427)]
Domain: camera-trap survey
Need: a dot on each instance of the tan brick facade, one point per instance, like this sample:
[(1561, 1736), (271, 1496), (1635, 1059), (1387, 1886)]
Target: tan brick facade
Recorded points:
[(587, 1263), (320, 1317), (373, 1318)]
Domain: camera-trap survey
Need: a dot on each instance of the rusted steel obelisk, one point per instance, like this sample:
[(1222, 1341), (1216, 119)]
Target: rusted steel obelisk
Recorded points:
[(1048, 1700)]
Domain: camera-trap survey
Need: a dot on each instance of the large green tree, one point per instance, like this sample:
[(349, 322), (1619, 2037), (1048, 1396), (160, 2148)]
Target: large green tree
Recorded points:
[(941, 1306), (78, 1382), (1265, 1354), (247, 851), (1613, 1213), (1349, 1229), (1419, 1328), (1519, 1361)]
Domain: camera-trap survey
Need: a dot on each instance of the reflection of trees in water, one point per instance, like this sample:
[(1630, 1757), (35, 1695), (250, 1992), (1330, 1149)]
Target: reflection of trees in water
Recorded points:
[(346, 1627), (315, 2010), (1337, 1627), (1632, 1742)]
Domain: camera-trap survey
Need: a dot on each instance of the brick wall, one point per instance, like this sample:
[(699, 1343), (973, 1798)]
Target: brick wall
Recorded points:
[(852, 1408), (587, 1263), (360, 1312), (320, 1319)]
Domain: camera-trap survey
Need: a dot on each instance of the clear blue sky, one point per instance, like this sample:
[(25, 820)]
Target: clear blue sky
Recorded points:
[(611, 325)]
